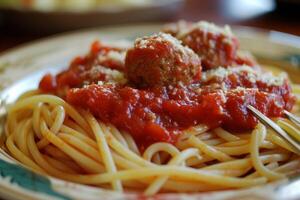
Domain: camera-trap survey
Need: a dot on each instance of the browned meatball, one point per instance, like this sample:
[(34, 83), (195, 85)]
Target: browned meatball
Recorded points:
[(161, 60), (216, 46)]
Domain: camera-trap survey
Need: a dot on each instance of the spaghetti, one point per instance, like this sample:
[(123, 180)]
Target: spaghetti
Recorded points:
[(52, 134)]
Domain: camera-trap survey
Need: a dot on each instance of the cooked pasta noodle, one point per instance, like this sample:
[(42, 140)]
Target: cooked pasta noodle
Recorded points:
[(52, 137)]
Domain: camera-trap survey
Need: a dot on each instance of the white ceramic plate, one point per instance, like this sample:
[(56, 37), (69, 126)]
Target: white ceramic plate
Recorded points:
[(21, 69)]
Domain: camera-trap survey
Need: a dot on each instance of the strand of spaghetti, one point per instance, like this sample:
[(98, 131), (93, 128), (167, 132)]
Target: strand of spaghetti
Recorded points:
[(30, 102), (131, 143), (135, 185), (291, 130), (244, 136), (195, 130), (235, 150), (46, 115), (176, 160), (118, 135), (16, 132), (245, 162), (234, 143), (36, 119), (73, 165), (93, 153), (196, 161), (243, 149), (225, 135), (210, 151), (275, 151), (254, 154), (125, 152), (41, 144), (83, 161), (274, 138), (128, 139), (270, 166), (82, 146), (79, 135), (268, 145), (103, 148), (181, 186), (231, 172), (91, 149), (206, 137), (56, 153), (214, 142), (20, 156), (37, 156), (123, 163), (70, 124), (160, 146), (28, 94), (22, 136), (59, 165), (54, 125), (59, 113), (185, 173), (11, 124), (177, 185), (188, 174), (287, 167)]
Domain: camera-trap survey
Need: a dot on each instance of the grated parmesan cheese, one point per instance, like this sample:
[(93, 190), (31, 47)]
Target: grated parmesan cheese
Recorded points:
[(116, 56), (252, 75), (208, 27), (146, 42), (114, 75)]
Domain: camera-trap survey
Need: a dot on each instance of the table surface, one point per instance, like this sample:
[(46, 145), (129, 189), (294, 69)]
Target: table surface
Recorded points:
[(254, 13)]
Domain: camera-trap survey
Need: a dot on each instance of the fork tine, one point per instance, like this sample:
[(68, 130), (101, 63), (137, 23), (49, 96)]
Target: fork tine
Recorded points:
[(292, 117), (268, 122)]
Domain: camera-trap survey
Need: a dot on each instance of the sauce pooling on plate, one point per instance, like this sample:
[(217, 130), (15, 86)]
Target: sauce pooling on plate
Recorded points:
[(164, 84)]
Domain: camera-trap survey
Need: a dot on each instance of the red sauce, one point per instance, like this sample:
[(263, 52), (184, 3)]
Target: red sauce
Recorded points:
[(159, 114), (158, 111), (83, 70)]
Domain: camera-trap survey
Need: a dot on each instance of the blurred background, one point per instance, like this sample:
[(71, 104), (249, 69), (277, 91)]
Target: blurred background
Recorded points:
[(27, 20)]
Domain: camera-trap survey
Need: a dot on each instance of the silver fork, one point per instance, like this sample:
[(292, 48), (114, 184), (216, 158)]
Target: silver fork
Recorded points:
[(268, 122)]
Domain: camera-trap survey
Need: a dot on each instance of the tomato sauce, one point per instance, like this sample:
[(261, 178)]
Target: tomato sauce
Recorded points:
[(166, 92), (159, 114), (85, 70)]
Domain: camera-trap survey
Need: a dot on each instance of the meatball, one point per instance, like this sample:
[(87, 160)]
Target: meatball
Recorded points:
[(161, 60), (216, 46)]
